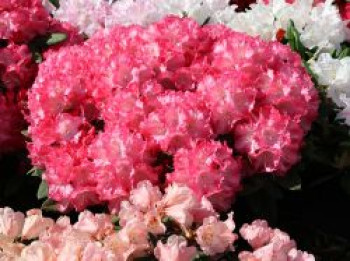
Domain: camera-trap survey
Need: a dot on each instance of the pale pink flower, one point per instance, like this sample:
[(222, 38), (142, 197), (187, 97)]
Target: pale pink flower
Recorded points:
[(97, 225), (38, 251), (178, 203), (215, 236), (9, 249), (257, 233), (135, 236), (96, 252), (130, 242), (297, 255), (11, 222), (175, 249), (154, 223), (35, 224), (129, 212), (270, 244), (145, 196)]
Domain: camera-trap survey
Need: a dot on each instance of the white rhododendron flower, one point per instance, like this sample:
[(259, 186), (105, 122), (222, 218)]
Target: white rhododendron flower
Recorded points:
[(335, 74), (319, 25), (87, 15)]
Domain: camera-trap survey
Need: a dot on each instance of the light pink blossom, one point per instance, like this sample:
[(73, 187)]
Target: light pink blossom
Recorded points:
[(35, 224), (11, 222), (175, 249), (215, 236)]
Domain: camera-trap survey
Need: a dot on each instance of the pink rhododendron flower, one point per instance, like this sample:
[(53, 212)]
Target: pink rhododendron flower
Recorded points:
[(230, 103), (98, 225), (17, 70), (175, 249), (11, 222), (130, 242), (176, 122), (38, 251), (258, 233), (270, 244), (209, 170), (95, 251), (178, 203), (145, 196), (35, 224), (22, 20), (63, 241), (272, 148), (215, 236), (147, 205), (104, 114)]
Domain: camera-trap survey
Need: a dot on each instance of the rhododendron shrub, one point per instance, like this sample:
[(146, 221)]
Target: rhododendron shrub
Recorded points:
[(151, 225), (116, 110)]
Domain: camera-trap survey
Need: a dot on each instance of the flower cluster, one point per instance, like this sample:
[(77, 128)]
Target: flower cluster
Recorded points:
[(89, 15), (92, 15), (180, 224), (270, 244), (335, 73), (319, 22), (21, 22), (320, 25), (163, 103)]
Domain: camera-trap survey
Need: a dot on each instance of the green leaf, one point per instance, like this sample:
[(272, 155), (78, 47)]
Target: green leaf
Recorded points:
[(56, 38), (49, 205), (115, 219), (25, 133), (293, 37), (201, 257), (35, 172), (344, 53), (55, 3), (43, 190), (38, 58)]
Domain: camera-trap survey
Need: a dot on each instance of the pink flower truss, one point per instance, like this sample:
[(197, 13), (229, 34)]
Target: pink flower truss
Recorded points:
[(22, 20), (270, 244), (209, 170), (17, 71), (102, 113)]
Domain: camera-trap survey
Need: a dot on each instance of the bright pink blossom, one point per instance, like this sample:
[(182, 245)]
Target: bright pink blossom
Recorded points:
[(17, 70), (270, 139), (103, 113), (210, 170), (22, 20)]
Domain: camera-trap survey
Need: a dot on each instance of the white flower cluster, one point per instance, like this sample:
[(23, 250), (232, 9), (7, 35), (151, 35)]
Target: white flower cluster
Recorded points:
[(90, 15), (335, 74), (145, 12), (87, 15), (319, 25)]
